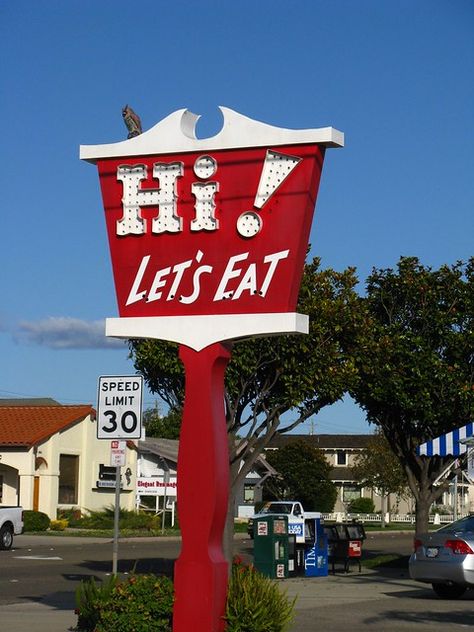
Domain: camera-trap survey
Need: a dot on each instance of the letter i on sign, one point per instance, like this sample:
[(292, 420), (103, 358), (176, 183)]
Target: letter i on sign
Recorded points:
[(276, 168), (204, 193)]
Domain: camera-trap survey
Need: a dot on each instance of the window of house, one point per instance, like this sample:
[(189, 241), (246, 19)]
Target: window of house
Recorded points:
[(68, 479), (350, 492), (249, 493), (1, 489), (341, 458)]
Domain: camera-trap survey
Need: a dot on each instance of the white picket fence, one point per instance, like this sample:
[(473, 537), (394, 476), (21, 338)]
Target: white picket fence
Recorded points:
[(392, 518)]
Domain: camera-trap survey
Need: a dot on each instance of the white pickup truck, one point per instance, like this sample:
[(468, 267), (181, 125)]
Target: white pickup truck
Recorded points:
[(11, 523), (296, 516)]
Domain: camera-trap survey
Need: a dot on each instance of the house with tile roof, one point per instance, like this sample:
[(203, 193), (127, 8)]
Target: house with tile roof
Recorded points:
[(51, 459)]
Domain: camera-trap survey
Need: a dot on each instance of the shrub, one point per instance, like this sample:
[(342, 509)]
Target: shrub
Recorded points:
[(73, 516), (127, 520), (362, 505), (143, 603), (35, 520), (90, 598), (255, 603), (58, 525), (98, 519)]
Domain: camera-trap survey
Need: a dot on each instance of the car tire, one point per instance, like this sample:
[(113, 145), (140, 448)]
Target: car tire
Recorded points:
[(449, 591), (6, 538)]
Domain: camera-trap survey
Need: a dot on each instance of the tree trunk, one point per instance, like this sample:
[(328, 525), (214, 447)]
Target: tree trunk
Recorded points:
[(228, 538), (421, 474), (422, 512)]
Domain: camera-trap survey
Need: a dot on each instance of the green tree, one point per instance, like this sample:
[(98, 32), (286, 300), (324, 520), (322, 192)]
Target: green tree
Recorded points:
[(377, 468), (303, 475), (268, 377), (361, 505), (163, 426), (415, 363)]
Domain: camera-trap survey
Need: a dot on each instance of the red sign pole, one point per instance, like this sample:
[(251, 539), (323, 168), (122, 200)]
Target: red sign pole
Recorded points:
[(203, 485)]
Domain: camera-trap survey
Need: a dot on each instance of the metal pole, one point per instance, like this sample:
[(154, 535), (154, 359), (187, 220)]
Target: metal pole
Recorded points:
[(116, 520), (456, 498), (166, 480)]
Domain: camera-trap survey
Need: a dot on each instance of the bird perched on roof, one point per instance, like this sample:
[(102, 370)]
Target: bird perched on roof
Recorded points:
[(132, 122)]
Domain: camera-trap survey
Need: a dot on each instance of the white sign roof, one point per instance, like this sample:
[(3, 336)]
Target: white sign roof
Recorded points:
[(176, 134)]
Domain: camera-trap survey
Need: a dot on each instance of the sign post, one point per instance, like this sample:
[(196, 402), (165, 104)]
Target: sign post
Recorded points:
[(119, 417), (116, 520), (208, 240), (166, 480), (117, 458)]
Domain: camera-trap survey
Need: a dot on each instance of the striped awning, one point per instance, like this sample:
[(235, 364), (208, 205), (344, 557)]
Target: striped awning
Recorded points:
[(449, 444)]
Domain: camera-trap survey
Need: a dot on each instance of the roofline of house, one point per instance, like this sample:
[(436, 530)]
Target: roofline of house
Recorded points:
[(36, 440)]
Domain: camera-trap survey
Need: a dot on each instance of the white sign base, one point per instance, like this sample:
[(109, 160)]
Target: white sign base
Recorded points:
[(199, 332)]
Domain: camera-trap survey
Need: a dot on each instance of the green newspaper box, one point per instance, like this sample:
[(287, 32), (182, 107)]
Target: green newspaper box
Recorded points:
[(270, 547)]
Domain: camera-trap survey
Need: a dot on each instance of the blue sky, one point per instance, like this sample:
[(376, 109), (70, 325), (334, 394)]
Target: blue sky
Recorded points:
[(395, 77)]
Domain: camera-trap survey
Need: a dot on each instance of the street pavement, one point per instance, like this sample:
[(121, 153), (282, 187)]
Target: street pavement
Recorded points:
[(369, 600)]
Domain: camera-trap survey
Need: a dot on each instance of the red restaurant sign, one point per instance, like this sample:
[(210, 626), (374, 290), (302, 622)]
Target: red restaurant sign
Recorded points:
[(218, 226), (208, 240)]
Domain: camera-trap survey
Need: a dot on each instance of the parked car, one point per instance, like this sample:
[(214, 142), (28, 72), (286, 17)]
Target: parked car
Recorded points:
[(445, 558), (11, 523)]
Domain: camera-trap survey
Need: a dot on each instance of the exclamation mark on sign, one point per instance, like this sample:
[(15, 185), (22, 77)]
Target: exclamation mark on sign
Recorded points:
[(276, 168)]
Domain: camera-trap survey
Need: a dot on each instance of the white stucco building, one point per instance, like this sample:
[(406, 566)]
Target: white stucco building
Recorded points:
[(50, 459)]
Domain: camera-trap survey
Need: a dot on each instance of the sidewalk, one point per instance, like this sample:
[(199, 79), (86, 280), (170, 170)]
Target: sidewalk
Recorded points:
[(31, 616), (336, 597)]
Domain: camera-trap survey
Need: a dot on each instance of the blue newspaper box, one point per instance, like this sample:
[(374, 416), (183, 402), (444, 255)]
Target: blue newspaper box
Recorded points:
[(316, 549)]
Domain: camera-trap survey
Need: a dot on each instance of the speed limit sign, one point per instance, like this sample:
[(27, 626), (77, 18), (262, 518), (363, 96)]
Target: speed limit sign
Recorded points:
[(119, 407)]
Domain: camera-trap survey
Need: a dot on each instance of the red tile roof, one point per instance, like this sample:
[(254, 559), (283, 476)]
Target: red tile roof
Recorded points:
[(28, 425)]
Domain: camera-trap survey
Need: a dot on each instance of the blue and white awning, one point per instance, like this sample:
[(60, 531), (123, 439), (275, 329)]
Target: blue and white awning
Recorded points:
[(449, 444)]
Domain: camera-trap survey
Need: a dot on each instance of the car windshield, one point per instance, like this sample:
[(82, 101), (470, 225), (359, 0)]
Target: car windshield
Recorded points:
[(462, 525), (284, 508)]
